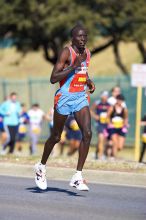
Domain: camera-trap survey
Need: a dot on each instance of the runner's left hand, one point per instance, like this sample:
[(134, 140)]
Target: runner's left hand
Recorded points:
[(91, 86)]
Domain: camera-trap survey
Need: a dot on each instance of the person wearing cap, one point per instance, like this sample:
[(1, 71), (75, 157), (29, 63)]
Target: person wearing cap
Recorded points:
[(99, 113), (117, 124)]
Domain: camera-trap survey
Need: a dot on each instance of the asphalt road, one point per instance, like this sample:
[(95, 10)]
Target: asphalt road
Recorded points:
[(20, 199)]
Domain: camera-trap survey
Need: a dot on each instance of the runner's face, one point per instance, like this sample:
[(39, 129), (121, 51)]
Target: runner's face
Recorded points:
[(116, 91), (119, 102), (13, 98), (104, 98), (80, 39)]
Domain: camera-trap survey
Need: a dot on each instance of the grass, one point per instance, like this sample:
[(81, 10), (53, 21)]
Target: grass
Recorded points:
[(13, 65), (124, 161)]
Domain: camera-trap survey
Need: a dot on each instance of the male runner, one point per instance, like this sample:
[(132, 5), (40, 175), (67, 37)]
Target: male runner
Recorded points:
[(71, 71)]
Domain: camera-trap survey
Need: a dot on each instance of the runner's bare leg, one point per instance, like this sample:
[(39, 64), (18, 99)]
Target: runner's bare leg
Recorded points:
[(59, 121), (83, 119)]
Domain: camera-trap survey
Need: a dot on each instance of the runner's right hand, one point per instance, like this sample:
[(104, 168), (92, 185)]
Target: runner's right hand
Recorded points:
[(78, 61)]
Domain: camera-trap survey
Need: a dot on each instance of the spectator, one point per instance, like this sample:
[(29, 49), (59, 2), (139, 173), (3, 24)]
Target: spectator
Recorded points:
[(143, 123), (99, 113), (49, 117), (115, 92), (118, 123), (62, 141), (36, 116), (2, 131), (74, 135), (22, 129), (11, 109)]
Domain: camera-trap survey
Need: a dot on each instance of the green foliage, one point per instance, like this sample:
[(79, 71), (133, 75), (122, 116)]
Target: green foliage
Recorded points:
[(123, 19), (47, 23)]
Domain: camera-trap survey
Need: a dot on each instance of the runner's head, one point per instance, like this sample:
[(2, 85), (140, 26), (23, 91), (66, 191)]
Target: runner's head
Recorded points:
[(23, 106), (104, 96), (120, 99), (13, 96), (116, 91), (35, 106), (79, 36)]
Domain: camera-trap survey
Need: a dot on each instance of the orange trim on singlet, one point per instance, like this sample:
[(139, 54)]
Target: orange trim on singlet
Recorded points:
[(88, 57), (73, 55), (56, 99), (61, 83)]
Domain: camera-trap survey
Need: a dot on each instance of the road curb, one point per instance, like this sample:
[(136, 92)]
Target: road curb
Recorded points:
[(93, 176)]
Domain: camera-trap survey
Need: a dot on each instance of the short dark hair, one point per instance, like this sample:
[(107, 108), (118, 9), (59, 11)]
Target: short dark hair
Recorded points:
[(120, 97), (13, 93), (23, 104), (36, 105), (76, 28), (113, 88)]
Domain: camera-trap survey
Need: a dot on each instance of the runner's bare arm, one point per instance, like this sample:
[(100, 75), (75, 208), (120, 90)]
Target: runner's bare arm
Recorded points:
[(90, 84), (92, 111), (125, 117), (63, 61), (109, 112)]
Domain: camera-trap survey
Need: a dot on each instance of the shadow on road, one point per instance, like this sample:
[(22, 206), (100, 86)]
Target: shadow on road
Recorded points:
[(53, 189)]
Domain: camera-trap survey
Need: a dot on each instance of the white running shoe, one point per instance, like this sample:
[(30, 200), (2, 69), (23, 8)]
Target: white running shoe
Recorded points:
[(40, 176), (3, 152), (79, 183)]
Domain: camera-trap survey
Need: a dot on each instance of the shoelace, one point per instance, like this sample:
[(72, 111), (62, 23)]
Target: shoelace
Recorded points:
[(41, 174), (82, 181)]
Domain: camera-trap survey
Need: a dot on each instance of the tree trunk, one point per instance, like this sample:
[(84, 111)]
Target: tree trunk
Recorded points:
[(46, 54), (142, 50), (118, 57)]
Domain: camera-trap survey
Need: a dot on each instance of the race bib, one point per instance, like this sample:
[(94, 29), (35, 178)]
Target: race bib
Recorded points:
[(74, 126), (78, 83), (36, 129), (144, 138), (22, 129), (103, 118), (63, 136), (117, 122)]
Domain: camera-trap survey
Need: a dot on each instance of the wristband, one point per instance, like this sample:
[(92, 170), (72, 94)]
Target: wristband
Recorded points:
[(70, 68)]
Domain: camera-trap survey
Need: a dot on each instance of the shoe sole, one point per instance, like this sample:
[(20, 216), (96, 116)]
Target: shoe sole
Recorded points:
[(38, 185), (35, 170), (73, 185)]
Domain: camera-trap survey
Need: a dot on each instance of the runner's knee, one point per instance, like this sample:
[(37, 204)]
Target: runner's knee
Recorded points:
[(56, 137), (87, 134)]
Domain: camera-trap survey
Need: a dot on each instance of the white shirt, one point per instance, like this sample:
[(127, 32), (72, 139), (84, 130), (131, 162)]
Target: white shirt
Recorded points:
[(112, 101), (35, 116)]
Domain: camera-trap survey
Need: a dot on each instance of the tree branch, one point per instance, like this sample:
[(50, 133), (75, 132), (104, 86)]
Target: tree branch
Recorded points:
[(142, 50), (46, 54), (102, 47)]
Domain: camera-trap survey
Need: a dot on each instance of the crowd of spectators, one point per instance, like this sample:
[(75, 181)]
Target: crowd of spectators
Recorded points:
[(109, 113)]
